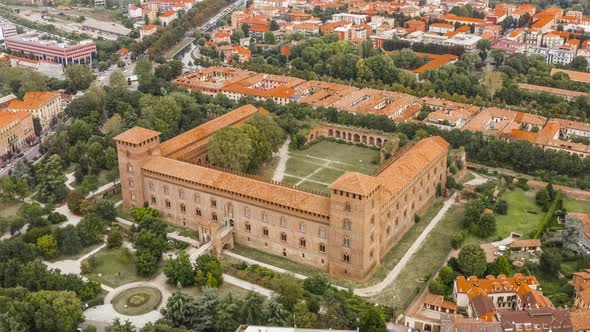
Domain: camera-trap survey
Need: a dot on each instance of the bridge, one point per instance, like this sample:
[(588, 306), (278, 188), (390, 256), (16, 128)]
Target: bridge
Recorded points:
[(221, 239)]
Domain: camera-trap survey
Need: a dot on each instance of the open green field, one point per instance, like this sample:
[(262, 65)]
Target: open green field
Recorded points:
[(319, 165), (523, 214), (117, 267), (8, 209), (424, 263), (573, 205)]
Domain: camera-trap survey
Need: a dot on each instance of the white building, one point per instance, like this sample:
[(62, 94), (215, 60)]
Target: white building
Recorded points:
[(7, 29), (47, 68), (355, 19), (134, 12), (469, 42)]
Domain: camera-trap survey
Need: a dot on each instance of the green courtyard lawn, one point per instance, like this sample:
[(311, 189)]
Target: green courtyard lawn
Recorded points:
[(9, 208), (323, 162), (523, 214), (424, 263), (92, 182), (116, 266), (574, 205)]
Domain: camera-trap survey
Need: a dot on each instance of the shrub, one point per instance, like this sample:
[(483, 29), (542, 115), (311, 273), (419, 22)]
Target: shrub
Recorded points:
[(74, 199), (56, 218)]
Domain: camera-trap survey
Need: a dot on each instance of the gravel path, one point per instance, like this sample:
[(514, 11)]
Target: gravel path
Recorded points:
[(283, 154)]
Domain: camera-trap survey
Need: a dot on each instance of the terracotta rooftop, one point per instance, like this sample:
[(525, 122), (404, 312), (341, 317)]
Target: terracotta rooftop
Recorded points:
[(240, 185), (136, 135), (357, 183), (149, 27), (8, 117), (491, 284), (580, 320), (569, 124), (525, 243), (561, 92), (33, 100), (408, 166), (577, 76), (207, 129), (439, 300), (546, 319), (168, 13)]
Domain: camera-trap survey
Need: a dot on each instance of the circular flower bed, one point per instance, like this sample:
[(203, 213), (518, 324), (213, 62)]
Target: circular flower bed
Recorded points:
[(137, 300)]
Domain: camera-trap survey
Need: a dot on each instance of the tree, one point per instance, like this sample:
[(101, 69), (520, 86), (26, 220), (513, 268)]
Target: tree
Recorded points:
[(180, 309), (105, 209), (302, 317), (32, 214), (228, 314), (230, 148), (50, 180), (74, 201), (161, 114), (118, 81), (179, 270), (79, 76), (139, 213), (115, 238), (47, 246), (499, 56), (550, 261), (472, 260), (579, 63), (289, 289), (372, 320), (208, 272), (492, 82), (251, 313), (275, 314), (543, 199), (68, 240), (143, 70), (317, 284), (487, 225), (169, 70), (206, 310), (472, 60), (56, 218), (550, 191), (501, 207), (269, 38), (118, 326), (146, 262), (502, 266), (55, 310), (274, 26)]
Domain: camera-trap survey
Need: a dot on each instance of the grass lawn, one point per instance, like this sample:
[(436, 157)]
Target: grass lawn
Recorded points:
[(8, 209), (74, 257), (93, 182), (574, 205), (116, 266), (224, 290), (521, 217), (137, 301), (319, 165), (467, 177), (425, 262)]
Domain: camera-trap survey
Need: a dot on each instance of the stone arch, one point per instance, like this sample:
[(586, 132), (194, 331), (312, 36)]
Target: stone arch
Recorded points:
[(311, 137), (330, 132), (337, 133), (364, 139), (349, 137), (371, 140), (379, 141), (356, 138)]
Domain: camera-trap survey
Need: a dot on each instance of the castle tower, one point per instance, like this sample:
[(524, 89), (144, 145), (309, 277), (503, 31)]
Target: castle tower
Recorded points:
[(354, 226), (134, 146)]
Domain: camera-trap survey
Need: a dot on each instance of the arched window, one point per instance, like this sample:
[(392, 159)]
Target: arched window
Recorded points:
[(180, 193), (265, 231), (347, 206), (130, 182), (322, 247), (322, 233), (154, 201), (248, 227), (346, 242), (165, 189), (347, 225), (151, 185), (264, 217), (302, 227), (182, 208), (129, 168), (214, 216), (372, 238), (388, 229), (283, 222), (283, 236), (213, 203), (302, 242), (346, 258), (196, 198), (198, 212), (167, 204), (246, 211)]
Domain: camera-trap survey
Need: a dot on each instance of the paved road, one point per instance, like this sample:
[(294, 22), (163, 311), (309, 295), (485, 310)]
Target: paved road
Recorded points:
[(392, 275), (31, 154)]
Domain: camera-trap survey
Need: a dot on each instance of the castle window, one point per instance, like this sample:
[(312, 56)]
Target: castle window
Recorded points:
[(405, 212), (302, 242), (372, 220), (322, 233), (213, 203), (372, 238), (283, 222), (165, 189), (388, 229), (347, 206), (182, 208), (246, 212), (322, 247), (346, 242), (129, 168), (347, 224), (346, 258), (283, 236), (198, 212), (214, 216), (196, 198), (151, 185), (248, 227), (412, 205), (371, 255), (180, 193), (405, 197), (264, 217), (265, 231), (130, 181), (397, 221), (302, 227), (154, 201), (132, 196)]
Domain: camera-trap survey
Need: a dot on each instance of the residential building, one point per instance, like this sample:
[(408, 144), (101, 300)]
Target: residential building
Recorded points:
[(16, 133), (47, 68), (541, 319), (355, 19), (580, 320), (581, 280), (38, 47), (168, 17), (345, 233), (530, 246), (134, 12), (105, 28), (7, 29), (44, 106), (147, 30)]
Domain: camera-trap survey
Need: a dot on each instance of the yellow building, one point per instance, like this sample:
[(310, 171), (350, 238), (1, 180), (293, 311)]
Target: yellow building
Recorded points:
[(16, 132), (45, 106)]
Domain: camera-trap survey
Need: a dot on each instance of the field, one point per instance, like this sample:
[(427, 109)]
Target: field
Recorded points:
[(8, 209), (319, 165), (424, 263), (523, 214), (117, 267), (573, 205)]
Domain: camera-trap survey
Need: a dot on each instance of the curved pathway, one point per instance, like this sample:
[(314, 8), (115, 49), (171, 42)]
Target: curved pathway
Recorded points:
[(283, 154)]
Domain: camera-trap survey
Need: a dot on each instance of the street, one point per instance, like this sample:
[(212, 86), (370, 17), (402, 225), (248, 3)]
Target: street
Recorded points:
[(30, 155)]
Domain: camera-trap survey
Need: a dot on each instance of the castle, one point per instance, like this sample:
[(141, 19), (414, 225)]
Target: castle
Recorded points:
[(346, 232)]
